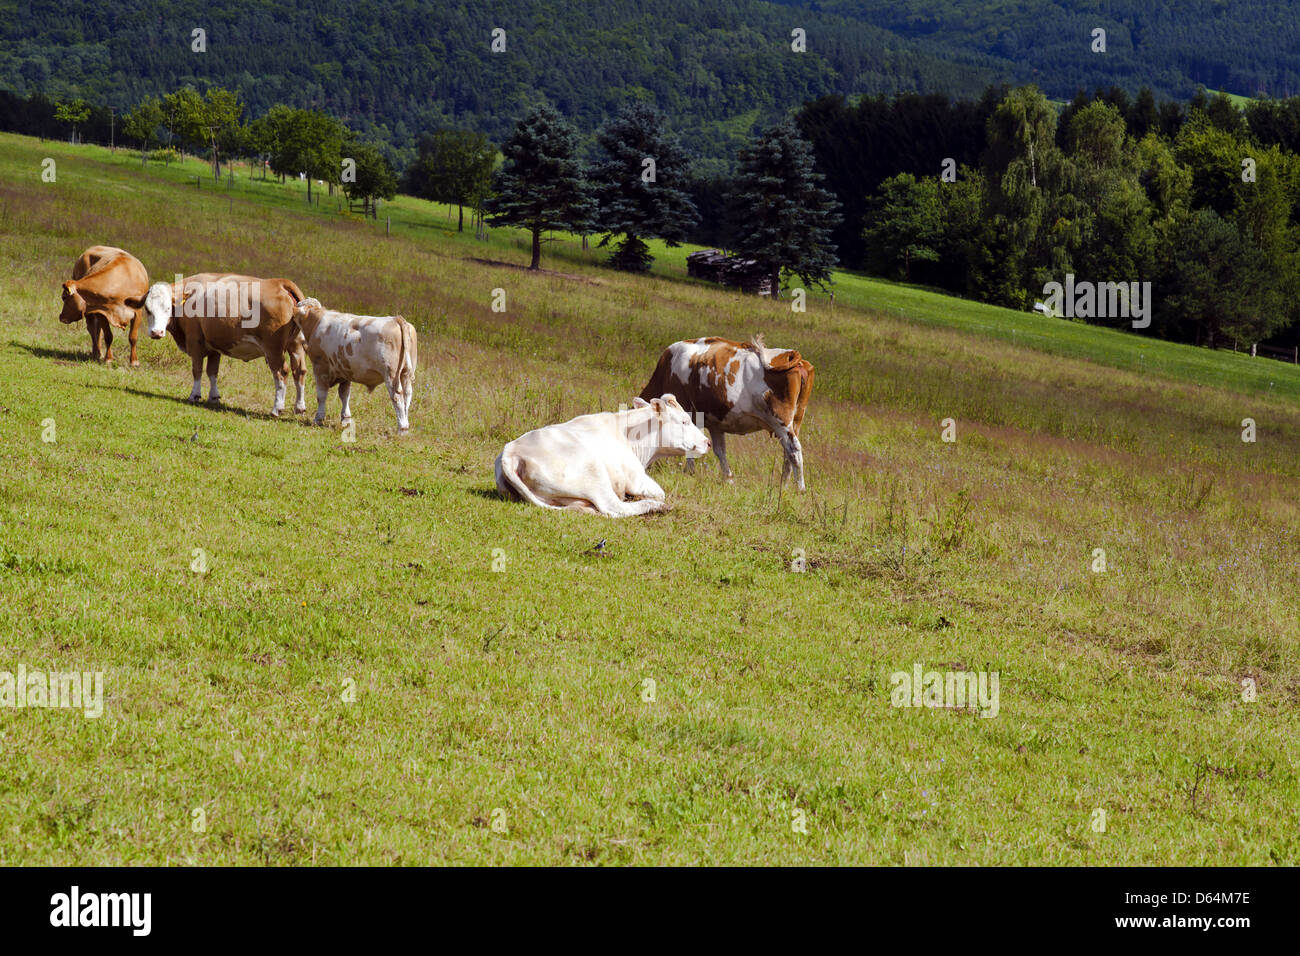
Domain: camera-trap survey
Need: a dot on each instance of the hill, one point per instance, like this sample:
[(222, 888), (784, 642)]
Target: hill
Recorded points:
[(350, 681), (716, 67)]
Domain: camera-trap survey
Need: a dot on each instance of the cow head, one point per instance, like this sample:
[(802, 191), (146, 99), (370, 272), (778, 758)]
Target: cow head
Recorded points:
[(158, 306), (671, 432), (304, 317), (74, 306)]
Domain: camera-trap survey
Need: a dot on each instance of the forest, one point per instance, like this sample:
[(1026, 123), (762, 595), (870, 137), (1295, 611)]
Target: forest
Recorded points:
[(394, 71)]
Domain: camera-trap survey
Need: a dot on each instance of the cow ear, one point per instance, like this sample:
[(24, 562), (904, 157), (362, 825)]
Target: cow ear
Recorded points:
[(640, 402), (69, 288)]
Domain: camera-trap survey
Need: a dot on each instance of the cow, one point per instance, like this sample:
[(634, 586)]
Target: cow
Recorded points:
[(212, 314), (737, 388), (366, 349), (597, 463), (107, 289)]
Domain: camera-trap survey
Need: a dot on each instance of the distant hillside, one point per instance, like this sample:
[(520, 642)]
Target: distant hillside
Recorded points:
[(399, 69), (1242, 46), (396, 69)]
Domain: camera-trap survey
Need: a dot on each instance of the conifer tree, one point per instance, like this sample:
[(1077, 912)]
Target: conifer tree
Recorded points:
[(540, 185), (783, 217)]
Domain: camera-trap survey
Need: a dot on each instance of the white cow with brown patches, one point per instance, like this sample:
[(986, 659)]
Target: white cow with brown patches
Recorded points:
[(737, 388), (597, 463), (367, 349)]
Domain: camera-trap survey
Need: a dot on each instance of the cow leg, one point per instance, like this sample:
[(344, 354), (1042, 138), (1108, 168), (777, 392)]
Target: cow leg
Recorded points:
[(322, 396), (608, 503), (646, 487), (398, 398), (793, 455), (108, 339), (719, 439), (345, 395), (214, 364), (298, 361), (280, 372), (196, 366), (92, 327), (133, 337)]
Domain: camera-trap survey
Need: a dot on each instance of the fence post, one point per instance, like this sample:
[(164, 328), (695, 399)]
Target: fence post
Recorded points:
[(388, 225)]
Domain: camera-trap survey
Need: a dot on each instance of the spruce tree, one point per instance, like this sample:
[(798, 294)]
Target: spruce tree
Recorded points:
[(639, 186), (541, 186), (782, 216)]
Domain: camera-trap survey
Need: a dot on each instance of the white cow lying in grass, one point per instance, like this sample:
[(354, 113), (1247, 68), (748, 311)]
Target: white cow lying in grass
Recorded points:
[(597, 463), (367, 349)]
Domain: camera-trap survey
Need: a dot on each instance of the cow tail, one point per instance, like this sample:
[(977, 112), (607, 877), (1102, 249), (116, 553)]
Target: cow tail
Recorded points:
[(510, 484), (401, 355)]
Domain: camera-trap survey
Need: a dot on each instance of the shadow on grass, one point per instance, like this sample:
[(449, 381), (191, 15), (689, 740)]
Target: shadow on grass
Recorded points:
[(218, 407), (491, 494), (66, 355)]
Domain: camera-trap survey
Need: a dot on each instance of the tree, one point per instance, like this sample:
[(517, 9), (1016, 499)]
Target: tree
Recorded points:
[(453, 166), (268, 133), (73, 113), (1221, 283), (182, 116), (142, 123), (906, 224), (304, 141), (639, 199), (216, 122), (540, 186), (1034, 218), (783, 215), (374, 177)]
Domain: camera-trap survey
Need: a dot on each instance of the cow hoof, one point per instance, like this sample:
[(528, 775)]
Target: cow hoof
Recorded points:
[(275, 413), (300, 411), (194, 400), (214, 402), (135, 364)]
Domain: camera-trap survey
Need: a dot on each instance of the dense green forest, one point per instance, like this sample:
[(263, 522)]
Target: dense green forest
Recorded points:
[(1240, 46), (395, 70)]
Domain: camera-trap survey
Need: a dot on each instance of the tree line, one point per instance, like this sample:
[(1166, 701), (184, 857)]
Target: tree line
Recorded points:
[(992, 198), (997, 197)]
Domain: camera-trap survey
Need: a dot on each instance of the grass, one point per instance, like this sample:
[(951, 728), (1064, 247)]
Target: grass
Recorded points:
[(519, 696)]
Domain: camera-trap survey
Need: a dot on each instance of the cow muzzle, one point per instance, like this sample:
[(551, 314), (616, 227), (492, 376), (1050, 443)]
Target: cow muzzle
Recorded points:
[(157, 335)]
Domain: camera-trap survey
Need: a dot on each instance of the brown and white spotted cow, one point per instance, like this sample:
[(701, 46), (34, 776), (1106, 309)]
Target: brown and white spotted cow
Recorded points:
[(107, 289), (738, 388), (212, 314), (367, 349)]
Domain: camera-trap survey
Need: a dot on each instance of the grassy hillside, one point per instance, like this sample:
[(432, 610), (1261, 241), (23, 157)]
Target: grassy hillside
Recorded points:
[(519, 696)]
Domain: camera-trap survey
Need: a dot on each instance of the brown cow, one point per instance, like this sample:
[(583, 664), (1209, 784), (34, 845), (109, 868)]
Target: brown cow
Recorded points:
[(214, 314), (737, 388), (107, 289)]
